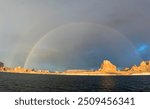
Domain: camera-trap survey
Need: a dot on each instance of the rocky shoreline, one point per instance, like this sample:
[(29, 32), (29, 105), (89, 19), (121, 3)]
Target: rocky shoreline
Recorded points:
[(106, 69)]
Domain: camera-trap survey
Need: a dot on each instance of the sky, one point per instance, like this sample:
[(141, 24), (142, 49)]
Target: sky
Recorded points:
[(74, 34)]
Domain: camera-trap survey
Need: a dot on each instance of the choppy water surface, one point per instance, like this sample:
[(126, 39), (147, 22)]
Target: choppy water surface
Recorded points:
[(53, 83)]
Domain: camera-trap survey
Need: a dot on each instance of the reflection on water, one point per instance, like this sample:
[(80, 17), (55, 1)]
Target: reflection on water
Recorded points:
[(49, 83), (108, 83)]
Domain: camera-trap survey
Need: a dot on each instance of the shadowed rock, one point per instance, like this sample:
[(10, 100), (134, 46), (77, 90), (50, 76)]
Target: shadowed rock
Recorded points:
[(1, 64)]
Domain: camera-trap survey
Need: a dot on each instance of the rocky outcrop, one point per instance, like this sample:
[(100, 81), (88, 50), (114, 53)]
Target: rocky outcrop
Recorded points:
[(20, 69), (107, 66), (143, 67)]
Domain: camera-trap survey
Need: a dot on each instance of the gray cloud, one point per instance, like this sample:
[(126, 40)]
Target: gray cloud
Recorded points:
[(24, 22)]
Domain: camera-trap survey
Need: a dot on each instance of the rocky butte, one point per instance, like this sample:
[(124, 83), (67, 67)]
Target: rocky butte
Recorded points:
[(144, 67), (106, 68)]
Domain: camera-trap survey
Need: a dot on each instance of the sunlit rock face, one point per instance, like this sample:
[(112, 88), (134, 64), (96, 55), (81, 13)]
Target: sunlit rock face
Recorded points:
[(134, 69), (19, 69), (1, 64), (107, 66), (143, 67)]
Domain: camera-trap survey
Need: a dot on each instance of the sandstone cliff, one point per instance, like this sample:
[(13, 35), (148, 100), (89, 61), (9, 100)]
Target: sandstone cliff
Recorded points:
[(143, 67), (107, 66)]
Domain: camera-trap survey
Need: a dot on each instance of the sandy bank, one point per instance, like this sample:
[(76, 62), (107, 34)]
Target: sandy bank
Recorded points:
[(84, 73)]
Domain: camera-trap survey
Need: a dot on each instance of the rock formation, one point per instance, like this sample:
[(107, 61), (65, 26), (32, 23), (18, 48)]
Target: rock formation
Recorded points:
[(143, 67), (107, 66), (20, 69)]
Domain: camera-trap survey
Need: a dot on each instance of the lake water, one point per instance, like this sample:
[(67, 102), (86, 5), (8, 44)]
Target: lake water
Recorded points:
[(53, 83)]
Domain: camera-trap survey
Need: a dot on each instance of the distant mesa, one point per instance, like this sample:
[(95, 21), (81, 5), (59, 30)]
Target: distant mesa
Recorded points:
[(126, 69), (76, 71)]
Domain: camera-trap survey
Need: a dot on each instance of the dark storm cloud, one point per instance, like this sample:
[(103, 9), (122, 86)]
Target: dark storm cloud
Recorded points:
[(24, 22)]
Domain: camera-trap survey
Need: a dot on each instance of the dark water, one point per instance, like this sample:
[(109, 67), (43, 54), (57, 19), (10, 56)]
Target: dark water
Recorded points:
[(49, 83)]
